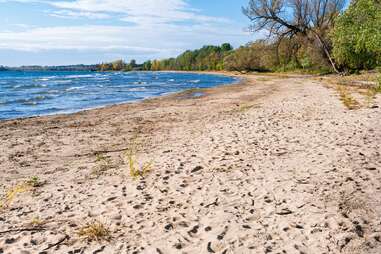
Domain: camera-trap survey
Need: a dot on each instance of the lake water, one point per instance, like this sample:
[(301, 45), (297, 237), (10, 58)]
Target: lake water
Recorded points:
[(25, 94)]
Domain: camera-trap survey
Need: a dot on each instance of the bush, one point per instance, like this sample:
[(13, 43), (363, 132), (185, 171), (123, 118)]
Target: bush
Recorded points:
[(357, 36), (257, 56)]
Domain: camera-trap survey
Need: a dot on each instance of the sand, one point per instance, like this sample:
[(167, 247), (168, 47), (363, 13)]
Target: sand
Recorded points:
[(270, 165)]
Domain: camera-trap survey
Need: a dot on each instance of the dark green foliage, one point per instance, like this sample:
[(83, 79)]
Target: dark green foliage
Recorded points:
[(207, 58), (357, 36), (147, 65)]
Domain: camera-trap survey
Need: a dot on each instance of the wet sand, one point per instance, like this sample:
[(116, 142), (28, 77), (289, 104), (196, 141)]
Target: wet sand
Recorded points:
[(270, 165)]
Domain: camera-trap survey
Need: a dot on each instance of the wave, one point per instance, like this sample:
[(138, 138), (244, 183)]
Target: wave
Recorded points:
[(137, 89), (62, 81), (79, 76), (74, 88), (73, 91)]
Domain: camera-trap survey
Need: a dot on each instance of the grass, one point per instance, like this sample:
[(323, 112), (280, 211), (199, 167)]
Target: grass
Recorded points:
[(11, 193), (103, 164), (346, 98), (36, 221), (245, 107), (95, 231), (377, 89), (34, 182), (136, 170)]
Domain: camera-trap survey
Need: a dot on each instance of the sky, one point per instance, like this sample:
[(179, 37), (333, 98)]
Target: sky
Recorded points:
[(60, 32)]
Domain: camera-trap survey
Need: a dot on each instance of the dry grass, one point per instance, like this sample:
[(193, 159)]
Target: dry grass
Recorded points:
[(136, 170), (14, 191), (367, 85), (103, 164), (36, 221), (11, 194), (95, 231), (346, 97)]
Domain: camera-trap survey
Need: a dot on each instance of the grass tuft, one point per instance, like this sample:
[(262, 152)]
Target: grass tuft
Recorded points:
[(377, 89), (34, 182), (95, 231), (36, 221), (346, 98), (11, 193), (103, 164), (136, 171)]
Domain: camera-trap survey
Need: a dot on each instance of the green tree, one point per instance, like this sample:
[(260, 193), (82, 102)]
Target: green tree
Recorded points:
[(310, 20), (147, 65), (133, 63), (357, 35), (226, 47)]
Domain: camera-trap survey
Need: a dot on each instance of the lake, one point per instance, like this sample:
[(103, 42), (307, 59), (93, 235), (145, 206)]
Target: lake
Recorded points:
[(26, 94)]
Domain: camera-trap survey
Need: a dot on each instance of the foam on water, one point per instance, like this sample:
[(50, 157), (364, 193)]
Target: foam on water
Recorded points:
[(25, 94)]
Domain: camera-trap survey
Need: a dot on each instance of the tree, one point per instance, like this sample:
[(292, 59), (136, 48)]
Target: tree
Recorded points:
[(118, 65), (155, 65), (256, 56), (310, 19), (132, 63), (226, 47), (357, 36), (147, 65)]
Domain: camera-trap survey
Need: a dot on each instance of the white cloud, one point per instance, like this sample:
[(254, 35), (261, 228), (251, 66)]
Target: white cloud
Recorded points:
[(150, 11), (78, 14), (158, 39), (161, 28)]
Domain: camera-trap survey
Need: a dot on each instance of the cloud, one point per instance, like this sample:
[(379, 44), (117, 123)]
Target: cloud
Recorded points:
[(147, 11), (78, 14), (147, 28), (159, 40)]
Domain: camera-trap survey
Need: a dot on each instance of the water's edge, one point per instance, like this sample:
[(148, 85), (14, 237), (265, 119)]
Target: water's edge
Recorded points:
[(234, 80)]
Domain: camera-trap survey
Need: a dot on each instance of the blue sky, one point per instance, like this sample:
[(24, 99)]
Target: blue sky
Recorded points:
[(48, 32)]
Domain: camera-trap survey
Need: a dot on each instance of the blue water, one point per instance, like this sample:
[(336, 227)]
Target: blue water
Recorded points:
[(25, 94)]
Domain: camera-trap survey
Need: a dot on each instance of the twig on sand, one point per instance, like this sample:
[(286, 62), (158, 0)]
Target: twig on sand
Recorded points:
[(21, 230), (99, 152), (57, 243)]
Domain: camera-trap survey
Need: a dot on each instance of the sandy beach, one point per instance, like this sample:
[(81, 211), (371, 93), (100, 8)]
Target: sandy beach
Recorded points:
[(274, 164)]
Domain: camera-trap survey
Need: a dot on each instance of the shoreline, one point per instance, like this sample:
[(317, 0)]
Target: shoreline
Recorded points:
[(269, 158), (224, 73)]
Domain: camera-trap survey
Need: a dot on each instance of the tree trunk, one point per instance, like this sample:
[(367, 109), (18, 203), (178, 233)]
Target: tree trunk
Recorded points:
[(326, 52)]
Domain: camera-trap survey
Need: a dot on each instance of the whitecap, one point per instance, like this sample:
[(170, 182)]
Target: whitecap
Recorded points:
[(137, 89), (79, 76), (74, 88)]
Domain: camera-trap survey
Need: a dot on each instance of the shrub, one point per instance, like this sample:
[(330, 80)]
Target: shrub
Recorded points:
[(357, 36), (95, 231)]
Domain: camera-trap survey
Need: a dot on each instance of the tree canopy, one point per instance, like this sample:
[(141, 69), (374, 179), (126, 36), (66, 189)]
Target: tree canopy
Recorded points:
[(309, 19), (357, 36)]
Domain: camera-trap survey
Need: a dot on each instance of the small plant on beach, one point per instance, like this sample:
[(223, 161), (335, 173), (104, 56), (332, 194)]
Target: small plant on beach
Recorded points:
[(103, 164), (12, 192), (36, 221), (347, 98), (95, 231), (34, 182), (377, 89), (136, 170)]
